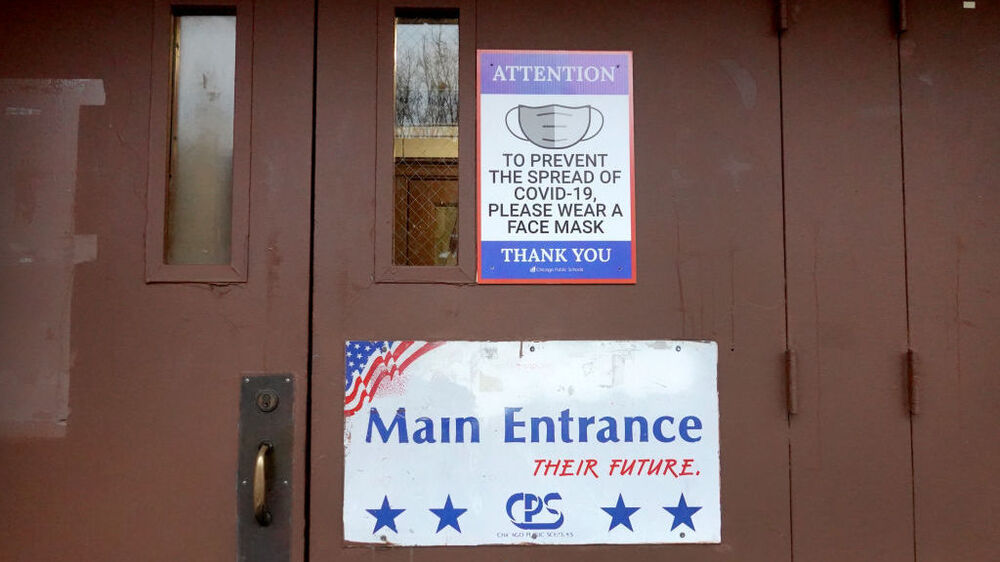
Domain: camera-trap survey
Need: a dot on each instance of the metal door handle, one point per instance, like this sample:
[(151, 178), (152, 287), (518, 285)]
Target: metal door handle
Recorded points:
[(260, 511)]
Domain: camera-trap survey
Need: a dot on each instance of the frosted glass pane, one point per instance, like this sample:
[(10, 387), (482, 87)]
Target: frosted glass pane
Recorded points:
[(200, 194)]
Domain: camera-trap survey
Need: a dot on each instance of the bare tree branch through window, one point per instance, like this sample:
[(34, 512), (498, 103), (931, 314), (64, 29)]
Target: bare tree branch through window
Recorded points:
[(426, 141)]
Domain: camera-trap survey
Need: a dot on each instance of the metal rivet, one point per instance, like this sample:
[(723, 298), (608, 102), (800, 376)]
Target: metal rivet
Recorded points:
[(678, 348), (532, 348), (287, 379)]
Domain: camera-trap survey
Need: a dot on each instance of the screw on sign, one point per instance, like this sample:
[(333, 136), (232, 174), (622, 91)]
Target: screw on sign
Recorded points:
[(267, 400)]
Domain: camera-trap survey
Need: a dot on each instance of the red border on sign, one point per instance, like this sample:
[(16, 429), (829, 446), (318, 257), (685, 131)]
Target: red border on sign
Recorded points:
[(479, 217)]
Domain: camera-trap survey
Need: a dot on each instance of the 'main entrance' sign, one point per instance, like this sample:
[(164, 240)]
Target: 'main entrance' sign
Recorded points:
[(556, 186), (464, 443)]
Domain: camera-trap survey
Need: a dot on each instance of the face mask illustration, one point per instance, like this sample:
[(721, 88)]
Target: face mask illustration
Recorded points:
[(554, 125)]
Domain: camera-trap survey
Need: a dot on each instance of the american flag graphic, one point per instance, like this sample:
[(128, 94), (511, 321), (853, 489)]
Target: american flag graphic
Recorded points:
[(367, 363)]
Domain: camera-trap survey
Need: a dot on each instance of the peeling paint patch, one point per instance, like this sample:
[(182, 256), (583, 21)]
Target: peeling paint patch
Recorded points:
[(39, 131), (84, 248), (743, 80), (22, 111)]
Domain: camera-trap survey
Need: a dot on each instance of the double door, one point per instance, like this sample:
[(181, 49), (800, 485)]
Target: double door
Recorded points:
[(828, 190)]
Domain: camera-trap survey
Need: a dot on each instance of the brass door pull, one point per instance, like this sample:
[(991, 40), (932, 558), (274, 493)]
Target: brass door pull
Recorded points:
[(260, 511)]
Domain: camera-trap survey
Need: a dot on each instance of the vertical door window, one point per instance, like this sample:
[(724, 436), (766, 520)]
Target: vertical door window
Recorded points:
[(425, 138), (200, 186), (197, 220)]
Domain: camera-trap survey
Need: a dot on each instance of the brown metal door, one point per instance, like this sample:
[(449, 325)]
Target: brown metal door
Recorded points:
[(850, 441), (948, 64), (709, 223), (119, 435)]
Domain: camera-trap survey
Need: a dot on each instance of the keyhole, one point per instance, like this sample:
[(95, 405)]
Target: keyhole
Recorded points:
[(267, 400)]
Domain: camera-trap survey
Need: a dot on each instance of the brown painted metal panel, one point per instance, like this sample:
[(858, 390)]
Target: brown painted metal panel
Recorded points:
[(850, 450), (146, 470), (951, 138), (709, 223)]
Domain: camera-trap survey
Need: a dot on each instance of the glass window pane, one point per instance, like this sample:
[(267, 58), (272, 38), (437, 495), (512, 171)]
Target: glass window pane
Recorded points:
[(425, 144), (200, 193)]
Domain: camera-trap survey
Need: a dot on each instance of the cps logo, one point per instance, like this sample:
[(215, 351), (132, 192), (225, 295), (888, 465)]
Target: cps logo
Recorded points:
[(525, 511)]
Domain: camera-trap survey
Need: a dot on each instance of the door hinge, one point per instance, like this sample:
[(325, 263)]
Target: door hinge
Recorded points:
[(791, 383), (900, 16), (913, 382)]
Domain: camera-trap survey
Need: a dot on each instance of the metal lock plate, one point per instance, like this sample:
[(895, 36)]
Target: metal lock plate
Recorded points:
[(265, 416)]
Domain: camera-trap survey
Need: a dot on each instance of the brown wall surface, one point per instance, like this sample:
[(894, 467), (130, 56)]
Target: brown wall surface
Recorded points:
[(850, 454), (951, 134)]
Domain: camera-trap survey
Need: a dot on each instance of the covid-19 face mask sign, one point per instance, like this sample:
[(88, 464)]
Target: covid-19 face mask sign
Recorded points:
[(556, 184)]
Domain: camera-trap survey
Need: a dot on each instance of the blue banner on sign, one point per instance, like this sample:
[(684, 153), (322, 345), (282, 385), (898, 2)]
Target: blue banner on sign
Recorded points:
[(556, 260)]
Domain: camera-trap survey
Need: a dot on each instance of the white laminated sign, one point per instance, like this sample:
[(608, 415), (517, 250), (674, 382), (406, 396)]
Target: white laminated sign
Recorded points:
[(555, 185), (558, 442)]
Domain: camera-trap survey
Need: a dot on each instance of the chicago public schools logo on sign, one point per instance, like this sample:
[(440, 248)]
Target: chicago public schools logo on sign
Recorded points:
[(525, 511), (554, 125)]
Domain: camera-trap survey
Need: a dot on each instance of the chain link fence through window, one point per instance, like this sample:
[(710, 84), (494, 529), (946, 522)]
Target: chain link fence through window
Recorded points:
[(425, 148)]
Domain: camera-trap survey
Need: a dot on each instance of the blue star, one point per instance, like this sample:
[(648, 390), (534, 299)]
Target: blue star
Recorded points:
[(385, 516), (448, 515), (620, 514), (682, 514)]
